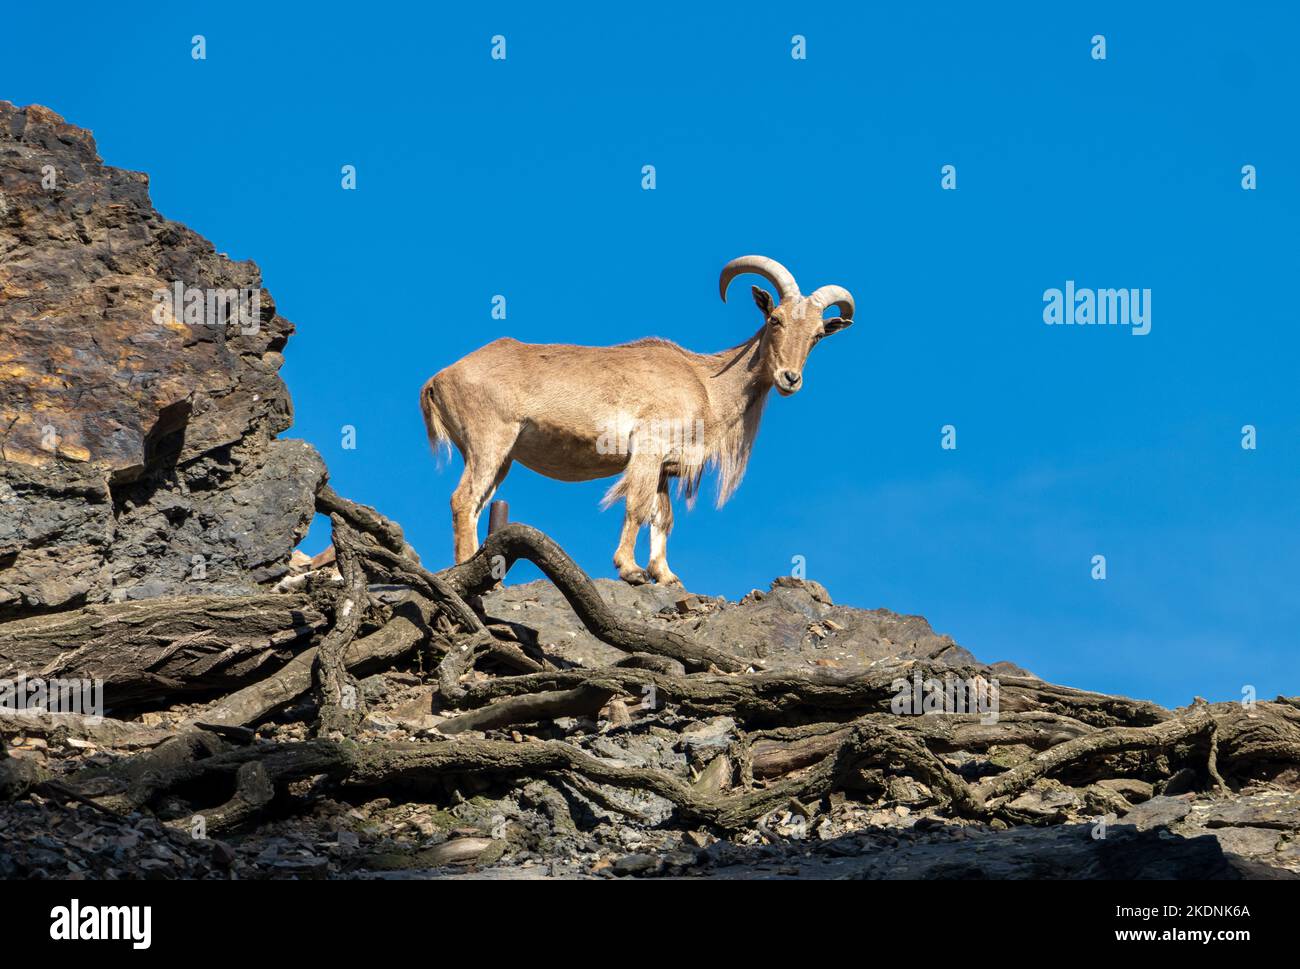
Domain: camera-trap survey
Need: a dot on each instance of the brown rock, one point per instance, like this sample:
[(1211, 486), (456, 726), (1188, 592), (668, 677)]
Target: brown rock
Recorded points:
[(137, 437), (689, 603), (1134, 791)]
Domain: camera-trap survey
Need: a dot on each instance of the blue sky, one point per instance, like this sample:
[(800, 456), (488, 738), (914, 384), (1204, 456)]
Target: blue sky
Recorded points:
[(523, 178)]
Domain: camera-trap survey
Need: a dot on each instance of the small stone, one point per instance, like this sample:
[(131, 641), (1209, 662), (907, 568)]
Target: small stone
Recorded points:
[(681, 859), (638, 864), (458, 851), (1134, 791), (690, 603), (715, 778), (222, 854), (380, 723), (424, 825), (1159, 812)]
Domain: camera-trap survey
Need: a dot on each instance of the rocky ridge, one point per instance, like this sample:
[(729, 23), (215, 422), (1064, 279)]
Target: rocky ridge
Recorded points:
[(138, 443)]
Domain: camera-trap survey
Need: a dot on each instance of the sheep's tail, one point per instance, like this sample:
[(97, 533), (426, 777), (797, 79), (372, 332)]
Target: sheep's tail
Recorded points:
[(617, 491), (439, 438)]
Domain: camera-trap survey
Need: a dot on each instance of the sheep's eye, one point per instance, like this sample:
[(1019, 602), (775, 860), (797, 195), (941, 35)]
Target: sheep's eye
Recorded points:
[(774, 320)]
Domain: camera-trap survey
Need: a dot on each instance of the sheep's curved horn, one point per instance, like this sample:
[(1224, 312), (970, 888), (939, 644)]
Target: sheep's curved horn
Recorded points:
[(769, 269), (836, 296)]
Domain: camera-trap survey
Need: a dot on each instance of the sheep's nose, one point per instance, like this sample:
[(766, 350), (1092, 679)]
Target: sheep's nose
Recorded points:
[(791, 378)]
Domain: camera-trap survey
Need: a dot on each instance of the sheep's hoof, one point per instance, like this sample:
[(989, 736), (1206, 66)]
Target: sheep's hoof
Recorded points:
[(635, 577), (669, 580)]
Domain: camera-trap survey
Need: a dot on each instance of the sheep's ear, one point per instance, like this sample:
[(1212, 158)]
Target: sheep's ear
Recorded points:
[(835, 324), (764, 300)]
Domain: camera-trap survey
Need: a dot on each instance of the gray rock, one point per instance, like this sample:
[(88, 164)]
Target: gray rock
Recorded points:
[(1159, 812), (138, 451), (1132, 790), (638, 864), (1271, 809), (56, 529), (792, 626), (1252, 843)]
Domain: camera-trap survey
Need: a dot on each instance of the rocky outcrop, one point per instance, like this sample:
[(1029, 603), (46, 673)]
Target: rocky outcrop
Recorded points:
[(140, 400), (793, 624)]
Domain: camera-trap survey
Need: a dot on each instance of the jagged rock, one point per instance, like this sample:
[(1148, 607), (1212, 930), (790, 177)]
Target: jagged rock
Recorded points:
[(137, 439), (814, 589), (716, 732), (56, 530)]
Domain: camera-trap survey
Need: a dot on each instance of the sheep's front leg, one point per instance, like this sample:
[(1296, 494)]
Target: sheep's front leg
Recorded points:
[(625, 554), (638, 489), (660, 525)]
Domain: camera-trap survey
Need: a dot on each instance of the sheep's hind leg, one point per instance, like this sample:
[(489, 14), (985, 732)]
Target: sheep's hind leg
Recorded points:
[(485, 468)]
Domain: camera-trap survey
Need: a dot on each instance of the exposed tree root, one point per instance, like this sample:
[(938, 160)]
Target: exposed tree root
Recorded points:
[(516, 541), (363, 518), (341, 701), (254, 773), (781, 750), (1110, 740), (154, 648), (800, 735), (404, 632), (783, 697), (584, 700)]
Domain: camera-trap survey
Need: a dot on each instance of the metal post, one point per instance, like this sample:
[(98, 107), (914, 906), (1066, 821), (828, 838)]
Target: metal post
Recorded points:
[(498, 516)]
